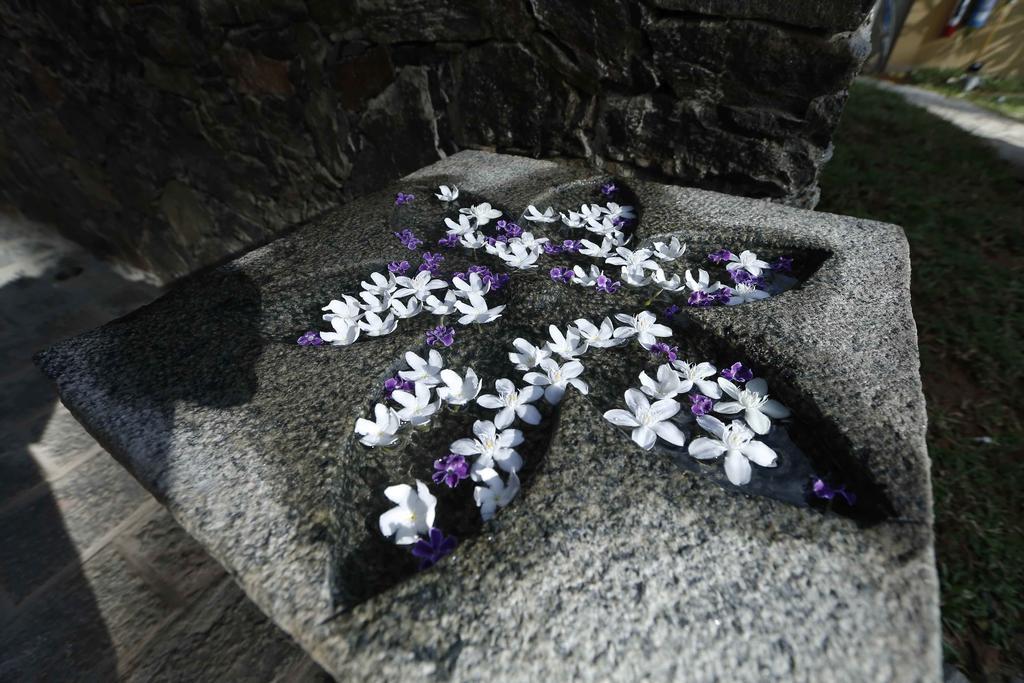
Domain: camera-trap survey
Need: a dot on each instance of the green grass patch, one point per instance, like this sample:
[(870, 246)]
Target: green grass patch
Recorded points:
[(1003, 95), (963, 211)]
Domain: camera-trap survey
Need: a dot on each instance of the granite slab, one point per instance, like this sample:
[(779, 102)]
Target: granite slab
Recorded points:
[(614, 563)]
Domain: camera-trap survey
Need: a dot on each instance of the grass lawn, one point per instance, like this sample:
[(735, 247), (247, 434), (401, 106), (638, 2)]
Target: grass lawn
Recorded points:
[(963, 212), (1002, 95)]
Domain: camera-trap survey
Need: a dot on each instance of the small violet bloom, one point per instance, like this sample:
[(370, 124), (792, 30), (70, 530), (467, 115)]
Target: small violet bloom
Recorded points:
[(552, 249), (402, 198), (608, 189), (670, 352), (701, 299), (398, 267), (431, 262), (408, 239), (743, 277), (393, 384), (562, 275), (671, 311), (570, 246), (822, 490), (449, 241), (783, 264), (311, 338), (607, 285), (700, 405), (722, 296), (720, 256), (737, 373), (441, 335), (450, 470), (436, 546)]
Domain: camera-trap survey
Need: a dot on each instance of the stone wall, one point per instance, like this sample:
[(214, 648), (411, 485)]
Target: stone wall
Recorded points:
[(167, 135)]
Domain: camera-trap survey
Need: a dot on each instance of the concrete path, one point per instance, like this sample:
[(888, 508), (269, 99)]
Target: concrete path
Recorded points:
[(1003, 133), (97, 582)]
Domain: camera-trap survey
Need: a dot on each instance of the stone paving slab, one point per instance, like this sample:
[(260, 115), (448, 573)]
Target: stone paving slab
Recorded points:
[(612, 565)]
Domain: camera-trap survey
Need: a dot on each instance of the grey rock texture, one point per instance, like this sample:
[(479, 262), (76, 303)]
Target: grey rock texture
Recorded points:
[(170, 135), (613, 564)]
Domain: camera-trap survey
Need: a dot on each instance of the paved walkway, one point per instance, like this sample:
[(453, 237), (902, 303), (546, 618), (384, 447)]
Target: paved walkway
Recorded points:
[(97, 582), (1004, 134)]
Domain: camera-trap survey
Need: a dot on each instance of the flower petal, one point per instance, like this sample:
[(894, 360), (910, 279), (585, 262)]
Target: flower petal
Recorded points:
[(773, 408), (757, 420), (671, 433), (705, 448), (761, 454), (737, 468), (621, 418), (727, 407), (644, 437), (664, 409)]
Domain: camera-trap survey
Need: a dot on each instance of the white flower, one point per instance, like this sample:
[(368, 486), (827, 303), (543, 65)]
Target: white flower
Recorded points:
[(483, 213), (573, 220), (670, 251), (376, 303), (418, 407), (702, 284), (635, 277), (602, 226), (697, 375), (418, 286), (613, 211), (406, 309), (582, 277), (473, 240), (447, 194), (439, 306), (475, 285), (667, 384), (532, 214), (476, 310), (517, 255), (644, 326), (602, 337), (496, 494), (350, 309), (556, 378), (382, 431), (528, 240), (458, 390), (753, 401), (492, 447), (465, 225), (511, 402), (588, 248), (669, 284), (742, 294), (736, 441), (748, 261), (591, 212), (345, 332), (374, 326), (648, 421), (627, 258), (412, 515), (381, 285), (568, 345), (528, 356), (423, 371)]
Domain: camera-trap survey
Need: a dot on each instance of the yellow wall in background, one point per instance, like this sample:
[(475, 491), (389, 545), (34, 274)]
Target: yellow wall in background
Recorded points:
[(999, 44)]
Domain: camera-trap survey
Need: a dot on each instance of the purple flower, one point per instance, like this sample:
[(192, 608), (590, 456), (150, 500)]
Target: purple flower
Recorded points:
[(671, 352), (571, 246), (433, 548), (722, 295), (607, 285), (431, 262), (311, 338), (701, 299), (509, 229), (619, 221), (743, 277), (551, 249), (408, 239), (720, 256), (824, 491), (441, 335), (737, 373), (398, 267), (450, 469), (497, 280), (396, 383), (784, 264), (562, 275), (402, 198), (608, 189), (449, 241), (700, 404), (671, 311)]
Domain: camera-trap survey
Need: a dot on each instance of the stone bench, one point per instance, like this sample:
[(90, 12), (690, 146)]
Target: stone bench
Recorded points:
[(613, 563)]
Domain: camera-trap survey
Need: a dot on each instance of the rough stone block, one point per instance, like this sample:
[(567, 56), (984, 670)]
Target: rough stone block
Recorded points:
[(613, 564)]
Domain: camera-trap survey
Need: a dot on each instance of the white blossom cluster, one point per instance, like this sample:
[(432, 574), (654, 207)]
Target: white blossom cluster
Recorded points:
[(387, 298)]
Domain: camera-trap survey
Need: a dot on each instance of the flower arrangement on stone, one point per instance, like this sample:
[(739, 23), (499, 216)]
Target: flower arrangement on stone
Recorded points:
[(654, 411)]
